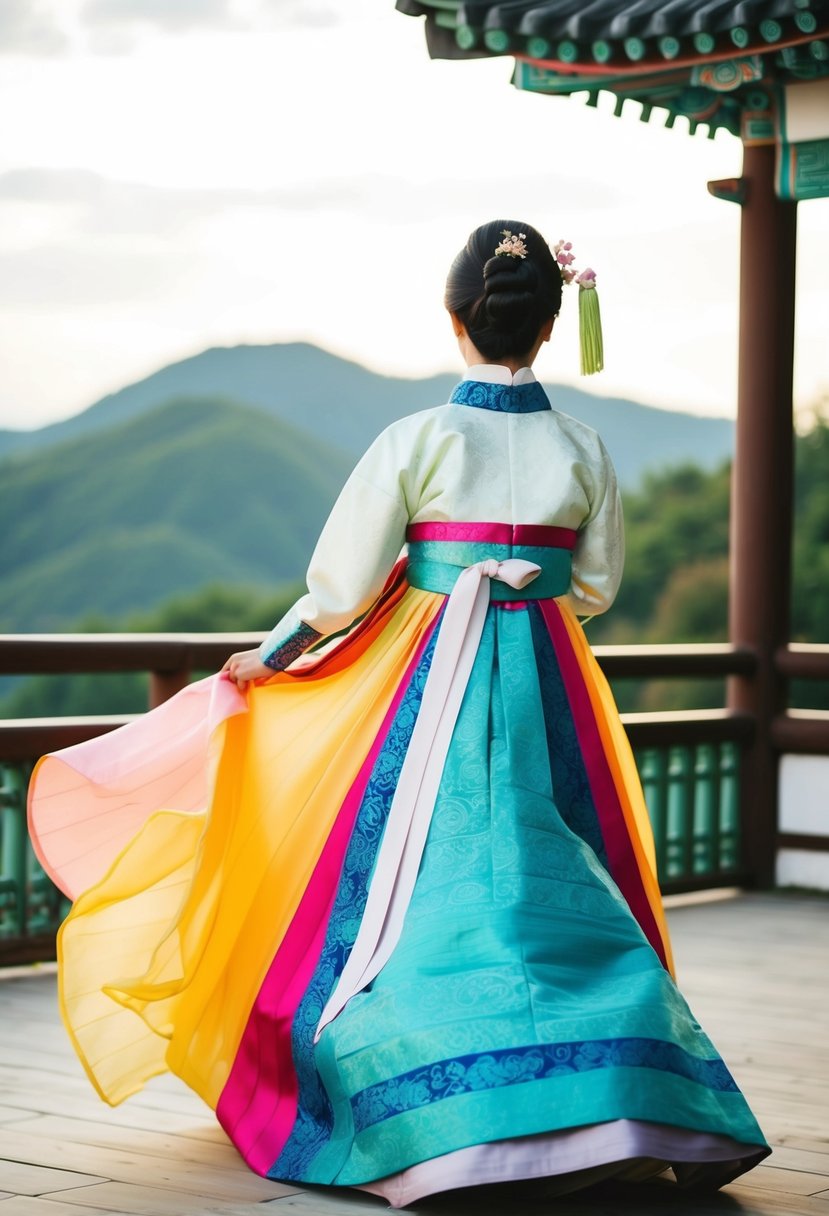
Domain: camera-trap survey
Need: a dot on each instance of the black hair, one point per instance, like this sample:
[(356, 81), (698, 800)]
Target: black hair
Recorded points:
[(503, 301)]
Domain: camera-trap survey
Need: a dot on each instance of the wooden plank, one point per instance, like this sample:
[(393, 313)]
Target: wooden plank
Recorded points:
[(818, 1145), (28, 1205), (13, 1114), (792, 1182), (151, 1098), (168, 1145), (120, 1165), (91, 1107), (27, 1178), (49, 1057), (138, 1200), (755, 1203), (787, 1157)]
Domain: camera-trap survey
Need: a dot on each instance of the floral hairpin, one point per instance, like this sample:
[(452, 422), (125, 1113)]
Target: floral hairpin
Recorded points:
[(590, 319), (512, 246)]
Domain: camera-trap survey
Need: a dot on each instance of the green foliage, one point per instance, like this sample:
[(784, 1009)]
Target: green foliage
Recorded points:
[(196, 492), (676, 578), (694, 605), (678, 521), (217, 609), (82, 695), (810, 602)]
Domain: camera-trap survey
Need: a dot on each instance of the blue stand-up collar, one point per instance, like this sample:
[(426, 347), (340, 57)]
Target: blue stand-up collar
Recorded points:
[(525, 398)]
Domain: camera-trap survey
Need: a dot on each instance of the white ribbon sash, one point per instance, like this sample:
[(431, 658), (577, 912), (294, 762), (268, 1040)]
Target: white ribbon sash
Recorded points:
[(400, 852)]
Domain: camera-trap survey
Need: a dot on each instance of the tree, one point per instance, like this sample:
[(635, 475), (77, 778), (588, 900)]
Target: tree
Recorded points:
[(215, 609)]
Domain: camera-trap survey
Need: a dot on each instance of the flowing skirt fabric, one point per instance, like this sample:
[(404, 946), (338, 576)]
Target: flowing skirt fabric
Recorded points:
[(220, 852)]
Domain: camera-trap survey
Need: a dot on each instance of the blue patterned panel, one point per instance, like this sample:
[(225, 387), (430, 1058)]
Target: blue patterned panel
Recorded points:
[(286, 642), (518, 1065), (505, 398), (315, 1117)]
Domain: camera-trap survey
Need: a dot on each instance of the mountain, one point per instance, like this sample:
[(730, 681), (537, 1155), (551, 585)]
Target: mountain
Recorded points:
[(194, 492), (222, 468), (322, 394)]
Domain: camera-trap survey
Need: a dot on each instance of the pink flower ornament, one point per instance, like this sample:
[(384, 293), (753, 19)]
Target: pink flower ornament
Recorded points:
[(565, 258)]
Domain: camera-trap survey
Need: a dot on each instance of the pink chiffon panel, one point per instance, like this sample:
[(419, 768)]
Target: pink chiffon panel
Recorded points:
[(84, 811)]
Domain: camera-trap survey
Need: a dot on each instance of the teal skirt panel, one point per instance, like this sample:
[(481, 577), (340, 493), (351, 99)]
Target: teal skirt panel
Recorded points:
[(522, 997)]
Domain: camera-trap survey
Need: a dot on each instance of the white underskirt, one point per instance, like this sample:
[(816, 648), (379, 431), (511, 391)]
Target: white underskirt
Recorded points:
[(629, 1149)]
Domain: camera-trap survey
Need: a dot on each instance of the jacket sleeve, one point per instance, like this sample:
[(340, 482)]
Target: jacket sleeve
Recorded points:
[(357, 548), (599, 555)]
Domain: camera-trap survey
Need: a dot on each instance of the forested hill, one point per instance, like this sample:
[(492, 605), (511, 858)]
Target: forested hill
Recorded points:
[(323, 395), (222, 468), (675, 587), (196, 492)]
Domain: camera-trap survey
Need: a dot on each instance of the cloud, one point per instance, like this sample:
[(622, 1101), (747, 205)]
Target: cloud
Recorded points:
[(104, 206), (28, 27), (79, 276), (181, 16), (170, 15), (49, 185), (43, 27)]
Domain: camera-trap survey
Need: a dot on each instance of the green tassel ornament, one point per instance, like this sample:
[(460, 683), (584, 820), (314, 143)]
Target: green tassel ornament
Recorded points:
[(590, 317), (590, 324)]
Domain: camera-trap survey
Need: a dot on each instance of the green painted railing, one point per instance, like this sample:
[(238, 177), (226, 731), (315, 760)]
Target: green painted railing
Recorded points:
[(31, 906), (689, 762), (693, 802), (692, 794)]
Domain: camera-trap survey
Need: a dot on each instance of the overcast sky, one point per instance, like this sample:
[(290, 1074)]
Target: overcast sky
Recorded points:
[(176, 174)]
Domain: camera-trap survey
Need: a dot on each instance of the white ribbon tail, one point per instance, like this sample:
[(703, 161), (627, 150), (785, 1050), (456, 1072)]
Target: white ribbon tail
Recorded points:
[(399, 856)]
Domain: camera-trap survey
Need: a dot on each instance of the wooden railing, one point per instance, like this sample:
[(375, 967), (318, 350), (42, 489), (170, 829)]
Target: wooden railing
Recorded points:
[(689, 762)]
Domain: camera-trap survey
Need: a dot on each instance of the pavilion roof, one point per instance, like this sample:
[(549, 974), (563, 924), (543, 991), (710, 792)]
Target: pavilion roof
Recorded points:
[(718, 62)]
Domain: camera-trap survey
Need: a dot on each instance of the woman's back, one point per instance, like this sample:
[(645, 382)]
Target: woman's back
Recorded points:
[(468, 463)]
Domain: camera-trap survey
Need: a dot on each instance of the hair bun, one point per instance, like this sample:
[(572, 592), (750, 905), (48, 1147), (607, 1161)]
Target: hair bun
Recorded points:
[(503, 300), (510, 287)]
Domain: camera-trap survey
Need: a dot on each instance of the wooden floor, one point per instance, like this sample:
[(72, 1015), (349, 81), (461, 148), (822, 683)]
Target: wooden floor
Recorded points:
[(754, 969)]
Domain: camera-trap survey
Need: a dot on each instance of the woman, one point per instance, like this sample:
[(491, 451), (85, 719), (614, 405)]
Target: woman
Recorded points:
[(397, 918)]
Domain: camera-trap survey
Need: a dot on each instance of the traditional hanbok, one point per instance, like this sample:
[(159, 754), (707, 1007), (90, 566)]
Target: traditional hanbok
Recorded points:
[(394, 912)]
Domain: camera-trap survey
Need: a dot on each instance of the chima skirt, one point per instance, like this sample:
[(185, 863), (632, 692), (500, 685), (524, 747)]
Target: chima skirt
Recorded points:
[(394, 915)]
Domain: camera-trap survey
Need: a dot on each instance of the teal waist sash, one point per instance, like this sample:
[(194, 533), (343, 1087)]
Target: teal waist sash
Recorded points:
[(435, 565)]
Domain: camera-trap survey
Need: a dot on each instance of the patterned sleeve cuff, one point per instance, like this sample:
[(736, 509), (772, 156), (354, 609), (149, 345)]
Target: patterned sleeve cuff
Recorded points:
[(287, 641)]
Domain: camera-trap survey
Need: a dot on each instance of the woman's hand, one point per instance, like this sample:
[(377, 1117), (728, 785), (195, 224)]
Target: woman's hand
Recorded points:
[(246, 667)]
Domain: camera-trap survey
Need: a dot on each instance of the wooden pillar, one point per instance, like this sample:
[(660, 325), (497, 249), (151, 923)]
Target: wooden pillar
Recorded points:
[(762, 488), (165, 684)]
